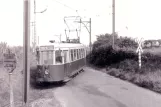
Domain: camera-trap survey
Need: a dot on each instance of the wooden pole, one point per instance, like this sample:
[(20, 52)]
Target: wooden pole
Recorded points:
[(90, 36), (26, 52), (113, 22)]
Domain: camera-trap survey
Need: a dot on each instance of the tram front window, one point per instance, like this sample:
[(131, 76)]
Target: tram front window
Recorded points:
[(58, 57), (47, 57)]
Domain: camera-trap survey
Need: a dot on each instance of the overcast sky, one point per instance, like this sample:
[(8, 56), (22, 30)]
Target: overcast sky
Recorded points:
[(141, 17)]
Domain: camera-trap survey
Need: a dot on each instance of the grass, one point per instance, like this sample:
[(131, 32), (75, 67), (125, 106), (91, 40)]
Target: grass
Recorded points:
[(149, 76), (150, 80)]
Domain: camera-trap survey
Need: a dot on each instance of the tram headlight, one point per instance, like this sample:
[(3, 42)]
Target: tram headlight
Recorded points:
[(46, 71)]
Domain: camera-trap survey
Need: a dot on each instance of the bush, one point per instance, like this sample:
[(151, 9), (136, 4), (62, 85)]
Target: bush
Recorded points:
[(105, 55)]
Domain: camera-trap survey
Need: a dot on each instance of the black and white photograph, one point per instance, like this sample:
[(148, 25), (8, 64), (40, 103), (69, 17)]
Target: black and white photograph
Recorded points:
[(80, 53)]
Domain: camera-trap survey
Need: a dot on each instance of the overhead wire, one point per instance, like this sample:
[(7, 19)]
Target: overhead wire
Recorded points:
[(65, 18), (65, 5)]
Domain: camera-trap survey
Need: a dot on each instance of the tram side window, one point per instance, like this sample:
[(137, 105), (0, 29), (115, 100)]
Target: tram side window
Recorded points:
[(72, 55), (75, 54), (66, 56), (79, 53), (58, 57), (82, 53)]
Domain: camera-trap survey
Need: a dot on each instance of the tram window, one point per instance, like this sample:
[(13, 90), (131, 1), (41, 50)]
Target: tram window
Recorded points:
[(47, 57), (41, 58), (78, 54), (81, 53), (72, 55), (65, 56), (38, 56), (50, 57), (75, 56), (58, 57)]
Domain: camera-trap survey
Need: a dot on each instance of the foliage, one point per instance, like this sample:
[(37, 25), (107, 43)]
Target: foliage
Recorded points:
[(3, 47), (121, 42)]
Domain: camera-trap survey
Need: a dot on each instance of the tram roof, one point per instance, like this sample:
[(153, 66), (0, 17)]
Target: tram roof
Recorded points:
[(64, 45)]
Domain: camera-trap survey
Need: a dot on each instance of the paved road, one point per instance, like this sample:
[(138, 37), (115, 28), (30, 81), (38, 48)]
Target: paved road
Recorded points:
[(96, 89)]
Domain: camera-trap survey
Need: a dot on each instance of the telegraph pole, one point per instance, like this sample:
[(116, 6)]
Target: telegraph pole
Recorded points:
[(26, 51), (35, 39), (90, 34), (113, 21)]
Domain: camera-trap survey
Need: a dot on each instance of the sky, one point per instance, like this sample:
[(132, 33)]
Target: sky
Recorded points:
[(134, 18)]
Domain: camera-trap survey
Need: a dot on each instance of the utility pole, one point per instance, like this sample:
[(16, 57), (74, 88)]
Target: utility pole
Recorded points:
[(26, 52), (35, 39), (113, 21), (90, 44)]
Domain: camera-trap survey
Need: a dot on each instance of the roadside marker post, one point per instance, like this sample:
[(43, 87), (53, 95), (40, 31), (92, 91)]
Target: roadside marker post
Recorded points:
[(139, 51), (9, 62)]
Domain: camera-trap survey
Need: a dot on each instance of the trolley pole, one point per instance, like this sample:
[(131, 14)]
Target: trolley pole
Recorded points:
[(26, 51), (113, 21)]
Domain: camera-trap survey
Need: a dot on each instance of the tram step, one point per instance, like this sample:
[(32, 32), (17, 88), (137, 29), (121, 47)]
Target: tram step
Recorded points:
[(67, 79)]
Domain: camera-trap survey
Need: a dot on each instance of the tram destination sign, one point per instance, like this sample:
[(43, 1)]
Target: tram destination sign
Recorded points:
[(47, 48)]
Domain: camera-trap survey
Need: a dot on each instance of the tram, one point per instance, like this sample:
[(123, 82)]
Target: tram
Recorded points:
[(60, 61)]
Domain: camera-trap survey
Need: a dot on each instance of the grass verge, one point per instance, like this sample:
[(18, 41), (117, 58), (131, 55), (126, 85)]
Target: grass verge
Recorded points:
[(145, 77)]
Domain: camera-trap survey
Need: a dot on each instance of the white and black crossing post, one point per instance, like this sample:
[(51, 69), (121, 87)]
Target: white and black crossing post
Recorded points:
[(139, 51)]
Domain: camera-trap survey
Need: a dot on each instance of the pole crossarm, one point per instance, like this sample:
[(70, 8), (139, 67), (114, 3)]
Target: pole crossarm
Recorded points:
[(84, 24), (41, 11)]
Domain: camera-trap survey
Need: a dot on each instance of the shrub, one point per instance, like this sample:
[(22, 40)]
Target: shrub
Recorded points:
[(105, 55)]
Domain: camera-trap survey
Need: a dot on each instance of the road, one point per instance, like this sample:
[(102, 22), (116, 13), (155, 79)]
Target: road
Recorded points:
[(96, 89)]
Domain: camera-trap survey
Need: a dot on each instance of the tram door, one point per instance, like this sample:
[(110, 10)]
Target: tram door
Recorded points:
[(66, 60)]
